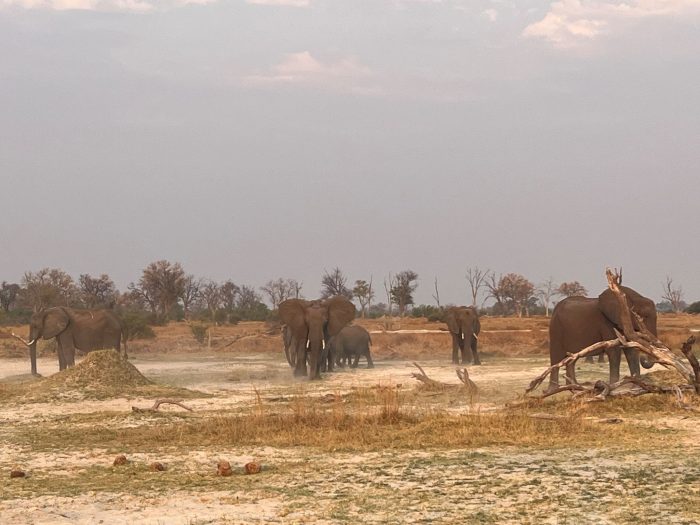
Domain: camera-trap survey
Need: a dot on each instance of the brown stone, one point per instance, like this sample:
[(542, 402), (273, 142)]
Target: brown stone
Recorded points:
[(17, 473), (120, 460), (224, 468), (157, 467), (252, 468)]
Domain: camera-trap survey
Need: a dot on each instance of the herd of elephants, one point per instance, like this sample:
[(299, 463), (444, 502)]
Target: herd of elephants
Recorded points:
[(318, 334)]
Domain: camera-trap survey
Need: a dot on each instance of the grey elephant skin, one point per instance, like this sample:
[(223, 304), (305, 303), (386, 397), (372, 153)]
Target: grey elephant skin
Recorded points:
[(463, 323), (351, 343), (312, 324), (578, 322), (73, 329)]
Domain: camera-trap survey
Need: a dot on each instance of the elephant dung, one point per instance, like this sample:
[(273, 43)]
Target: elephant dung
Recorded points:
[(17, 473), (120, 460), (252, 468), (223, 468), (157, 466)]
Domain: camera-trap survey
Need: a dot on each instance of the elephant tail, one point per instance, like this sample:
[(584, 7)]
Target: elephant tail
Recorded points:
[(369, 339)]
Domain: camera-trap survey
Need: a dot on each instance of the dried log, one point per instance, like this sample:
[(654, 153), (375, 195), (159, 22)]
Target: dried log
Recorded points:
[(462, 374), (159, 402), (572, 358)]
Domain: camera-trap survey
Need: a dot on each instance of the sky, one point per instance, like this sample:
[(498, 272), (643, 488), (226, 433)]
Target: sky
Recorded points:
[(258, 139)]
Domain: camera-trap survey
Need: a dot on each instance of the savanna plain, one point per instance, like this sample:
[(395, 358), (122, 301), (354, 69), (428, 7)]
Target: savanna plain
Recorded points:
[(359, 445)]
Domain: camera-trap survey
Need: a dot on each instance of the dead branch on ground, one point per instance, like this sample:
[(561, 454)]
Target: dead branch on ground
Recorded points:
[(432, 384), (159, 402)]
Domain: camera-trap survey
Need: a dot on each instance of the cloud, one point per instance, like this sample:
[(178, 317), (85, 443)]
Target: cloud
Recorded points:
[(570, 22), (491, 14), (304, 68), (290, 3), (81, 5)]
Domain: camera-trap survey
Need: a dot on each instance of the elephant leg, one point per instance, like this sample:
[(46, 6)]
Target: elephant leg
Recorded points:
[(368, 355), (614, 355), (356, 360), (589, 359), (474, 345), (601, 357), (553, 379), (633, 357), (455, 349), (61, 356), (571, 373), (300, 369)]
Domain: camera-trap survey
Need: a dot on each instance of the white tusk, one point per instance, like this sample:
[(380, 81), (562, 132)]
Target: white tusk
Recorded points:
[(462, 334), (323, 344), (475, 336), (308, 344), (28, 343)]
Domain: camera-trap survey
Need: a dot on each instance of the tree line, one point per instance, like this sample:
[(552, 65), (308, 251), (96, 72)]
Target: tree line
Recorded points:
[(165, 292)]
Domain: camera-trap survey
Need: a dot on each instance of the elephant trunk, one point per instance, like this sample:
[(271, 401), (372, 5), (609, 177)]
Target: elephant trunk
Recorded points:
[(315, 351)]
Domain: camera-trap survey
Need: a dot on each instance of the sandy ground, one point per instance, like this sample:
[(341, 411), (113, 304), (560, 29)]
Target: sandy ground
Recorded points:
[(299, 485)]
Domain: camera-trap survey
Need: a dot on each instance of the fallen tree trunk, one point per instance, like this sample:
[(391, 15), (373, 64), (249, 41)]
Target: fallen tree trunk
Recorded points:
[(159, 402)]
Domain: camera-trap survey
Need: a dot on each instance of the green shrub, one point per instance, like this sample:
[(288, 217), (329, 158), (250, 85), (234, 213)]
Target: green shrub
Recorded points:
[(137, 325), (693, 308), (199, 331)]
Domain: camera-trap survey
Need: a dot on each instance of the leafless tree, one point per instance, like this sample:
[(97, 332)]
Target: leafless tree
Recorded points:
[(388, 285), (279, 290), (673, 295), (477, 279), (190, 293), (571, 289), (96, 291), (212, 297), (161, 286), (48, 287), (405, 283), (229, 295), (335, 283), (545, 292), (436, 295), (495, 292), (364, 294)]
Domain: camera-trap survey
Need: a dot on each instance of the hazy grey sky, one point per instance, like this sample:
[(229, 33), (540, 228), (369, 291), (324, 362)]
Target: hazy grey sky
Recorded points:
[(266, 138)]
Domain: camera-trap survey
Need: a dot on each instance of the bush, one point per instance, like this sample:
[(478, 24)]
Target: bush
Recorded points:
[(137, 325), (693, 308), (200, 332), (432, 313), (15, 316)]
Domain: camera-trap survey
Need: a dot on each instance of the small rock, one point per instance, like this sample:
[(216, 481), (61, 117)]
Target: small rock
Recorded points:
[(17, 473), (120, 460), (224, 468), (252, 468), (157, 467)]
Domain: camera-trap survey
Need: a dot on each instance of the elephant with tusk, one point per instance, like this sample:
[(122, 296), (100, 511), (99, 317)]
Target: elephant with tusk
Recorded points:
[(73, 329), (463, 323), (578, 322), (310, 324)]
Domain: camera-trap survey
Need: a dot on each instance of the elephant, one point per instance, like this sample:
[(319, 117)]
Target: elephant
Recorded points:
[(351, 341), (85, 330), (463, 323), (578, 322), (312, 324)]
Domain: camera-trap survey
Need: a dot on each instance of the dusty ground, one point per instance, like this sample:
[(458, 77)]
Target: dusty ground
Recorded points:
[(67, 448)]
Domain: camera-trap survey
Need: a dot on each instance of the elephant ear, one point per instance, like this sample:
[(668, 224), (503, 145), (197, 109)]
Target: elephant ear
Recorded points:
[(340, 313), (451, 320), (54, 323), (292, 312)]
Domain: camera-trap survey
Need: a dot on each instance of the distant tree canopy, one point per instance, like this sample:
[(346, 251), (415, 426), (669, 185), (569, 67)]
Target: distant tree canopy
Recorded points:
[(97, 291), (402, 287), (9, 293), (161, 285), (364, 294), (513, 293), (571, 289), (48, 287)]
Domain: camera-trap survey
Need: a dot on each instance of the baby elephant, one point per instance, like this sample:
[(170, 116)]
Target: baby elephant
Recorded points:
[(351, 341)]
